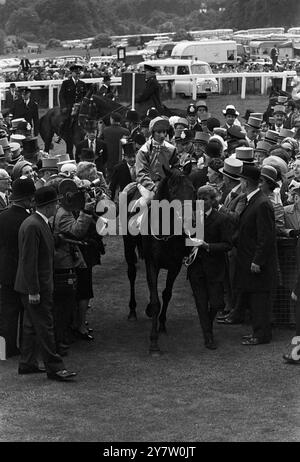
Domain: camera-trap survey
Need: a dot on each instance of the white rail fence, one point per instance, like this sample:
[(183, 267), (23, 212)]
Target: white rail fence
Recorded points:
[(265, 78)]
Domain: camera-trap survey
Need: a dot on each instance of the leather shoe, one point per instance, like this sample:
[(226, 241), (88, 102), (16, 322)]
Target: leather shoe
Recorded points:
[(61, 376), (253, 341), (289, 360), (210, 344), (227, 321), (31, 370)]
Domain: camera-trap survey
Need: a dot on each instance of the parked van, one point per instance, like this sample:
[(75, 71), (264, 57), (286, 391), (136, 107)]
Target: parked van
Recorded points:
[(210, 51), (183, 71)]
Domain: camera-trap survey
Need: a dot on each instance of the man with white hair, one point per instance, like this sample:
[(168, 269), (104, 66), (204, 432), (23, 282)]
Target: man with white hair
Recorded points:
[(5, 182)]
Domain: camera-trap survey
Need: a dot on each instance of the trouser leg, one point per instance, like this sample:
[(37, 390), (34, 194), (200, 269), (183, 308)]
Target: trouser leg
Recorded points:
[(200, 293), (261, 308), (10, 313)]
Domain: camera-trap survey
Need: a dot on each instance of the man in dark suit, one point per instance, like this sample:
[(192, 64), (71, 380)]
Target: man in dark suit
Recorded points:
[(124, 171), (106, 89), (112, 136), (98, 147), (28, 109), (150, 97), (10, 221), (256, 255), (11, 96), (25, 64), (34, 281), (207, 272)]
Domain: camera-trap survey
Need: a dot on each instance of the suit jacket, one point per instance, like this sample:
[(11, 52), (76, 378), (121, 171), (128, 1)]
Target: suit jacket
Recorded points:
[(70, 93), (150, 97), (217, 235), (9, 100), (10, 222), (36, 252), (3, 204), (112, 136), (29, 111), (120, 178), (25, 64), (256, 243), (100, 153)]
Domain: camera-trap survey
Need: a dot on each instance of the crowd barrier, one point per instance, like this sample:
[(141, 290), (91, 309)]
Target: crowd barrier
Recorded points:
[(229, 83)]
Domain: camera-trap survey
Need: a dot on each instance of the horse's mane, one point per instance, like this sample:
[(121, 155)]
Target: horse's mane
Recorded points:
[(163, 186)]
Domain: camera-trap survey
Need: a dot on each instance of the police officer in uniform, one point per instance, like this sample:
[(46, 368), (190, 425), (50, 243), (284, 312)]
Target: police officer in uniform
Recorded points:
[(150, 97), (72, 92)]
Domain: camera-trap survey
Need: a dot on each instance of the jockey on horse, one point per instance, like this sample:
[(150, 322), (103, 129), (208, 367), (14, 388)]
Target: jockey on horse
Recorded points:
[(70, 97)]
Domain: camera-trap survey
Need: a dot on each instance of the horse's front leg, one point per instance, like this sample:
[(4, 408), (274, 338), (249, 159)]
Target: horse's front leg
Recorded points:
[(153, 308), (167, 295)]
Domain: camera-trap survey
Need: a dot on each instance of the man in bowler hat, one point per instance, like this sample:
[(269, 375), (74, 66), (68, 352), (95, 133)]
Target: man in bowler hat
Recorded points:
[(34, 281)]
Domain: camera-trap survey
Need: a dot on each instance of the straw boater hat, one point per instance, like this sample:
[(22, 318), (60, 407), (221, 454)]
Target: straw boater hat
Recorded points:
[(244, 154), (232, 168), (257, 115), (15, 122), (14, 138), (271, 137), (282, 99), (279, 109), (4, 144), (253, 122), (201, 137), (263, 146), (15, 152), (285, 133), (270, 173), (64, 159)]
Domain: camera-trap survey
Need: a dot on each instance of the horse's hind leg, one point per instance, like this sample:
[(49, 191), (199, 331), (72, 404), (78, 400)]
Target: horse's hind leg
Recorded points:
[(166, 296), (153, 307), (130, 256)]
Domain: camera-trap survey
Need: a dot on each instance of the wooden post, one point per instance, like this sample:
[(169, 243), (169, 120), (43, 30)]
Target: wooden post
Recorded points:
[(133, 91), (173, 89), (243, 91), (50, 96), (284, 79), (194, 92), (2, 349), (262, 85)]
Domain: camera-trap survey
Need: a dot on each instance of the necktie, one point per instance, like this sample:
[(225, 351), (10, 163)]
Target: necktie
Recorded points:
[(132, 173)]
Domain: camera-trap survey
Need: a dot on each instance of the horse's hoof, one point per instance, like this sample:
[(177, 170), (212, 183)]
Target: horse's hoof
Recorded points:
[(162, 329), (148, 311), (155, 353), (132, 316)]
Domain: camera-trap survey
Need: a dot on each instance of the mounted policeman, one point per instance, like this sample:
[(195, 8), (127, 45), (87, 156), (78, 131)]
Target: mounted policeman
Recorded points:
[(150, 97)]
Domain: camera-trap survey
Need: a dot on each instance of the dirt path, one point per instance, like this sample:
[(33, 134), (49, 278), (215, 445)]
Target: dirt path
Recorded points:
[(189, 394)]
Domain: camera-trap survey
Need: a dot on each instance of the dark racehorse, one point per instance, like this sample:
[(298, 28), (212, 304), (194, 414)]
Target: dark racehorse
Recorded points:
[(164, 251)]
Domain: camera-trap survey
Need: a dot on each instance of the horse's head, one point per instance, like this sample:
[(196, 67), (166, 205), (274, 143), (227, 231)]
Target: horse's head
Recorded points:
[(178, 185)]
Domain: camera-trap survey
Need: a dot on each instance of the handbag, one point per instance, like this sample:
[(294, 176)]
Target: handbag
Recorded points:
[(65, 280)]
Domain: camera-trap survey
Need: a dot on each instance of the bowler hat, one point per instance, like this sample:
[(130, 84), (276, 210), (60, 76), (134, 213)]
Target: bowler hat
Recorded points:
[(263, 146), (230, 110), (49, 163), (201, 137), (212, 123), (132, 116), (22, 188), (129, 149), (245, 154), (45, 195), (270, 173), (214, 148), (232, 168), (236, 132), (253, 122), (147, 67), (271, 137), (250, 172)]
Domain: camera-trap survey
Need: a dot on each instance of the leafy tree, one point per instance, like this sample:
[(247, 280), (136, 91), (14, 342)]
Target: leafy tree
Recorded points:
[(101, 41), (53, 43), (182, 35), (2, 42), (23, 20)]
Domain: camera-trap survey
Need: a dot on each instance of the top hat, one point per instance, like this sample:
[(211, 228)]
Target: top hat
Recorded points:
[(132, 116), (159, 123), (147, 67), (181, 121), (257, 115), (4, 144), (271, 136), (236, 132), (22, 188), (285, 133), (87, 155), (246, 155), (191, 109), (263, 146), (201, 137), (270, 173), (45, 195), (152, 113), (232, 168), (30, 147), (201, 104), (49, 163), (254, 122), (129, 149), (279, 109), (250, 172), (230, 110)]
